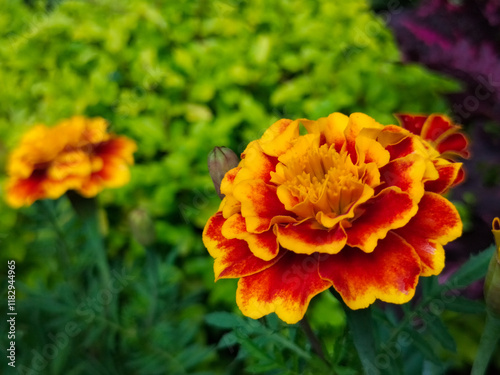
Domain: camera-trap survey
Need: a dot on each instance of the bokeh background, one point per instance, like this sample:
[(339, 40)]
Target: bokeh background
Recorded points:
[(181, 77)]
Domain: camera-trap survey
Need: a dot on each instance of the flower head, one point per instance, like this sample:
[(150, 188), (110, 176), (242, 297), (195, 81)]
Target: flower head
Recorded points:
[(350, 204), (77, 154)]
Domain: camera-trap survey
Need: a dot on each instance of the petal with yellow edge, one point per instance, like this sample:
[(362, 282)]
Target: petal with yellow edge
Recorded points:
[(390, 209), (260, 206), (437, 219), (448, 174), (406, 173), (286, 288), (330, 128), (263, 245), (305, 238), (430, 252), (456, 144), (279, 137), (413, 123), (23, 192), (257, 166), (233, 258), (389, 274), (435, 126)]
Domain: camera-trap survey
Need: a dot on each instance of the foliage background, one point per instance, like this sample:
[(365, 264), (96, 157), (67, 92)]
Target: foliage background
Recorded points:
[(179, 78)]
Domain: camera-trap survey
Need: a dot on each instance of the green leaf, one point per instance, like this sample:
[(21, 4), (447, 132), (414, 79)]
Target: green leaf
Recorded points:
[(472, 270), (465, 305), (440, 332), (223, 319), (422, 344)]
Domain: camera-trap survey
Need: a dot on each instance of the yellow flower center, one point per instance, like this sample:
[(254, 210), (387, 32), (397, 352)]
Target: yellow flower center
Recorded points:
[(319, 180)]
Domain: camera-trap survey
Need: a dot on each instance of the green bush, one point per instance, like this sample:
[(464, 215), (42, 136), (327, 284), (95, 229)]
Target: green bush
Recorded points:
[(179, 77)]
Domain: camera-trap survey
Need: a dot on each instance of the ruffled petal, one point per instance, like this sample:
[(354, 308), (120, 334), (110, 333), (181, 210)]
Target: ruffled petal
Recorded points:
[(260, 206), (233, 257), (306, 238), (257, 165), (286, 288), (370, 151), (23, 192), (279, 137), (437, 219), (390, 209), (263, 245), (436, 223), (390, 273), (358, 122), (455, 144), (331, 129), (435, 126), (448, 173), (430, 252), (413, 123), (406, 173)]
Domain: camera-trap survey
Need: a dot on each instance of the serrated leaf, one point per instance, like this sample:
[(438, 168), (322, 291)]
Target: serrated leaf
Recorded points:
[(283, 342), (440, 332), (472, 270)]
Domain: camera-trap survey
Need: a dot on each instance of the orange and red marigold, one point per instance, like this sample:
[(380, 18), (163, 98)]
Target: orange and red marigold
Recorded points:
[(351, 204), (77, 154)]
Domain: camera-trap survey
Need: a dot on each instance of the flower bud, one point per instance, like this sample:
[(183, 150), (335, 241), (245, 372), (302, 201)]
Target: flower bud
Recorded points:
[(142, 227), (492, 282), (220, 161)]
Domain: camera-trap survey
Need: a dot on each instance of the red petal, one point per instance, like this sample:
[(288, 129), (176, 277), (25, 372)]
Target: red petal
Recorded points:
[(401, 149), (256, 165), (260, 205), (390, 273), (405, 173), (430, 252), (23, 192), (285, 288), (435, 126), (390, 209), (262, 245), (460, 177), (448, 174), (233, 258), (413, 123), (303, 238), (437, 219), (455, 143)]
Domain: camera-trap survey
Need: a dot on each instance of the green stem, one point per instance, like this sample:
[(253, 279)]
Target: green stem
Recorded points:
[(487, 345), (88, 211), (313, 339), (360, 324)]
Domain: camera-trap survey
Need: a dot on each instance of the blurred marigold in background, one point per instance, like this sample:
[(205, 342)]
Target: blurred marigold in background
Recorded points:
[(347, 202), (76, 154)]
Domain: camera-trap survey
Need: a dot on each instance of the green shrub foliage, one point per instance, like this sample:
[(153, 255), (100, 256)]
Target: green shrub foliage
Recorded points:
[(179, 77)]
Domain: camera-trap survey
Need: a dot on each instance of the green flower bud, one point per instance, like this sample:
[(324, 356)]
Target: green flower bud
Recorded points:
[(142, 227), (492, 282), (220, 161)]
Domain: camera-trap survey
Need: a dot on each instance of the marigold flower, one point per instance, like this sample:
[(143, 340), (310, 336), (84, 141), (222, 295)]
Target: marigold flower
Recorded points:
[(350, 204), (77, 154)]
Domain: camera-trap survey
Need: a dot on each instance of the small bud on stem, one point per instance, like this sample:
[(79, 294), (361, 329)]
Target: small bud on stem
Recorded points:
[(220, 161), (492, 282)]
